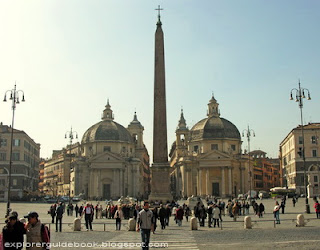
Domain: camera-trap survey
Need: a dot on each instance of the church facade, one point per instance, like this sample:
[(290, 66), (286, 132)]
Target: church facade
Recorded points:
[(114, 161), (206, 160)]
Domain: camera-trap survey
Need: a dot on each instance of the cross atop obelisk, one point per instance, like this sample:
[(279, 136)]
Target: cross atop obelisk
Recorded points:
[(159, 9)]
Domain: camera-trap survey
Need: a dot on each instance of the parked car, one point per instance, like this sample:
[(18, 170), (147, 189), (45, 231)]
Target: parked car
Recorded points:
[(76, 198)]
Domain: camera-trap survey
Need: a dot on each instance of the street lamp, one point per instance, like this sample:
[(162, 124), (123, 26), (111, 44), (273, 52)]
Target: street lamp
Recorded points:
[(14, 96), (248, 133), (70, 134), (300, 94)]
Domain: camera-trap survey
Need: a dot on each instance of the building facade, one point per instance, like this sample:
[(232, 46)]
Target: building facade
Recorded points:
[(266, 171), (207, 160), (292, 165), (25, 164), (111, 161)]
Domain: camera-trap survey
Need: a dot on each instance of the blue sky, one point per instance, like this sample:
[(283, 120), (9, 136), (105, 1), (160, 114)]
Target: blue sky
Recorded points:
[(69, 57)]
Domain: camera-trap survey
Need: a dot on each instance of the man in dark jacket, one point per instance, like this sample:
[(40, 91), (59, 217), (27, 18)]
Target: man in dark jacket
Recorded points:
[(162, 216), (59, 214), (13, 232)]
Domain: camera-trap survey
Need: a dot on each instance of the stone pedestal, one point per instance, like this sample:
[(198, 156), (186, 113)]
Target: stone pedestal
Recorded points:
[(194, 223), (300, 220), (132, 224), (160, 182), (77, 224), (247, 222)]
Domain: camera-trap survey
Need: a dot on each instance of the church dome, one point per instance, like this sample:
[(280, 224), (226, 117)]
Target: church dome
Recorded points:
[(107, 130), (214, 127)]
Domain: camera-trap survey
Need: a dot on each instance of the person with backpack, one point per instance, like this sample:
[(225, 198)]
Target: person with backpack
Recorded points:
[(88, 212), (52, 212), (59, 215), (317, 208), (36, 232)]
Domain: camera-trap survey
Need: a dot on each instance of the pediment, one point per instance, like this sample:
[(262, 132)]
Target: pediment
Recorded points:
[(215, 154), (106, 157)]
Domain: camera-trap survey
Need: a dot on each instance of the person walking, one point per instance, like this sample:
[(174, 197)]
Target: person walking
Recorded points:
[(88, 214), (293, 201), (144, 225), (210, 215), (52, 212), (168, 214), (203, 216), (13, 232), (59, 215), (317, 208), (261, 210), (154, 219), (80, 210), (37, 233), (162, 216), (119, 217), (179, 216), (276, 212), (76, 209), (216, 215)]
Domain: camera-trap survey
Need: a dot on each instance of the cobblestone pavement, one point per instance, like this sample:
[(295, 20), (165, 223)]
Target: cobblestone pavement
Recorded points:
[(264, 235)]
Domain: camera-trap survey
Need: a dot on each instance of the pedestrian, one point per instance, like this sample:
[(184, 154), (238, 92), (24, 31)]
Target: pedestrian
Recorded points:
[(119, 217), (76, 209), (276, 212), (283, 205), (59, 215), (235, 211), (88, 213), (97, 209), (179, 216), (100, 212), (293, 201), (144, 225), (210, 212), (187, 213), (13, 232), (203, 216), (168, 214), (261, 210), (52, 212), (154, 219), (247, 207), (80, 210), (216, 215), (37, 233), (317, 208), (174, 209), (162, 216), (71, 209)]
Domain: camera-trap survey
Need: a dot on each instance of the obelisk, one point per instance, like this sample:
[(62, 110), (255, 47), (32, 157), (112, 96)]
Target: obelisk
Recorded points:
[(160, 169)]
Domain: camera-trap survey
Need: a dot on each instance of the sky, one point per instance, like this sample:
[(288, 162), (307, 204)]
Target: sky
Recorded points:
[(69, 57)]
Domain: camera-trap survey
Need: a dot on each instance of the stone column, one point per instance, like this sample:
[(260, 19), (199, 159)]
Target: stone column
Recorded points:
[(121, 182), (178, 188), (113, 186), (230, 180), (223, 184), (200, 181), (207, 182), (184, 181)]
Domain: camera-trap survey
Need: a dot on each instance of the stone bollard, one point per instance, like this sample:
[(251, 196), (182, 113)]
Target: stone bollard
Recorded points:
[(132, 224), (300, 220), (77, 224), (247, 222), (194, 223)]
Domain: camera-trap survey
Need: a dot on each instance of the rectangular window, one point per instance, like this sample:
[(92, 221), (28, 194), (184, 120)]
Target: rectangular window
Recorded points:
[(314, 153), (3, 156), (315, 178), (16, 142), (195, 148), (3, 142), (107, 148), (313, 139), (214, 146), (233, 147), (300, 140), (14, 182), (16, 156)]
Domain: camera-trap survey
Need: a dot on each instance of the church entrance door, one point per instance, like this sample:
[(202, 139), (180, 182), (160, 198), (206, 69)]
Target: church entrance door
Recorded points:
[(106, 191), (215, 189)]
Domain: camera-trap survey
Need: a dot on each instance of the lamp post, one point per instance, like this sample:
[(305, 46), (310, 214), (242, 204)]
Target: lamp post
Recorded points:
[(14, 96), (248, 133), (300, 94), (70, 134)]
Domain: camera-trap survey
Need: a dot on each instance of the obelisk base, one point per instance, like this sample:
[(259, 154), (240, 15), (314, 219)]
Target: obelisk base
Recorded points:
[(160, 183)]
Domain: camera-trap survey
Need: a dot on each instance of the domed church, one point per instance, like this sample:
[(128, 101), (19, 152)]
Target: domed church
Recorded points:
[(206, 160), (114, 160)]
